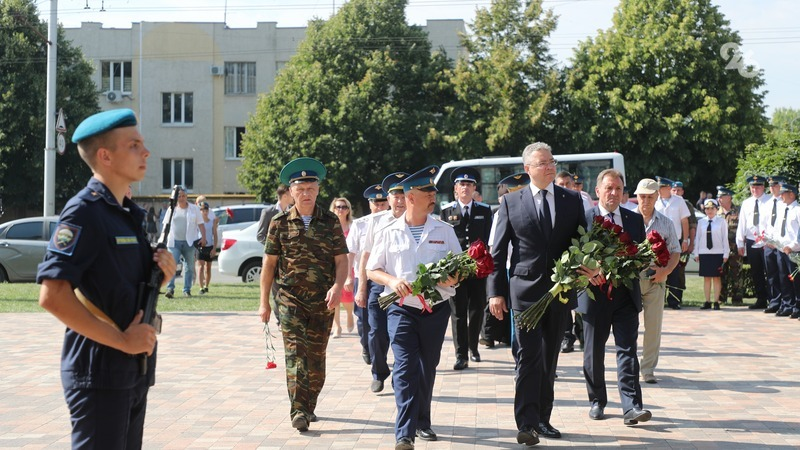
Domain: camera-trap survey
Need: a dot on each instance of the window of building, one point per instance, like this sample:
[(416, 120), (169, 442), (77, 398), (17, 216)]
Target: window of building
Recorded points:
[(116, 76), (177, 171), (177, 108), (240, 78), (233, 142)]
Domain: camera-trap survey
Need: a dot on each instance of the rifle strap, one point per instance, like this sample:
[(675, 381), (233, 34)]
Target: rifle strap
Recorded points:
[(94, 310)]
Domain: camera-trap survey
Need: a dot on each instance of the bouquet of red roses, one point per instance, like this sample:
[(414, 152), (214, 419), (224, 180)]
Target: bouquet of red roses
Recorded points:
[(476, 261)]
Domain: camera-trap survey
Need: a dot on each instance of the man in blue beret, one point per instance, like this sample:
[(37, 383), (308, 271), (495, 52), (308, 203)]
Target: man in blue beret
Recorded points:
[(771, 270), (732, 285), (753, 217), (416, 333), (786, 231), (472, 221), (97, 258), (306, 246)]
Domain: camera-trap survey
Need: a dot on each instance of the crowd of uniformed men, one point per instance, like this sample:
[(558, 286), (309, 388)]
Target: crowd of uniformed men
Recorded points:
[(99, 258)]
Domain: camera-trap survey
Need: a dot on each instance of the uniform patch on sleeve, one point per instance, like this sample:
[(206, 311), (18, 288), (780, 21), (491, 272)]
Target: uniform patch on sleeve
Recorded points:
[(64, 239)]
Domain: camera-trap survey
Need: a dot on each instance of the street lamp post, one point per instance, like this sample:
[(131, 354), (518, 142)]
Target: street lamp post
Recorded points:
[(50, 119)]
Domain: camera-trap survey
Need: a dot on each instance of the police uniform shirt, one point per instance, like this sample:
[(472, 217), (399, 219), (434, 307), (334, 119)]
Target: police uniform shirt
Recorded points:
[(792, 236), (355, 239), (719, 237), (676, 210), (747, 229), (101, 248), (398, 254), (376, 222), (770, 201), (478, 226)]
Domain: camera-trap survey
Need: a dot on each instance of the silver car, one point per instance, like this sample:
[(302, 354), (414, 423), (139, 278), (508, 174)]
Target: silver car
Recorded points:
[(23, 243)]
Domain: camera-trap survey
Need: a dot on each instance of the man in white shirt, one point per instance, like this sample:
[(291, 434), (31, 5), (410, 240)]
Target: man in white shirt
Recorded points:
[(675, 208), (752, 216), (786, 231), (775, 206)]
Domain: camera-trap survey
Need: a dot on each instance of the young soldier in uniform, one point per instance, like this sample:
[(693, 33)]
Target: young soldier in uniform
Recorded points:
[(95, 262), (471, 221), (416, 335), (786, 231), (771, 266), (307, 245), (731, 281), (752, 216)]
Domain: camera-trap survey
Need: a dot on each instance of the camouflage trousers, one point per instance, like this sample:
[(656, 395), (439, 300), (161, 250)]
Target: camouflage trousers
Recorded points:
[(732, 282), (305, 343)]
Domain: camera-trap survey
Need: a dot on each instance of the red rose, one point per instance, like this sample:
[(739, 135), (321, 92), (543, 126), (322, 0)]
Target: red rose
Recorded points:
[(607, 224), (631, 250), (625, 238), (616, 228), (598, 220), (483, 259)]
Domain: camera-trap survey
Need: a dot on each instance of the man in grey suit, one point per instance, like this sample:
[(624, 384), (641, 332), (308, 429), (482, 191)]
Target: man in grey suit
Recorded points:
[(621, 312), (539, 222)]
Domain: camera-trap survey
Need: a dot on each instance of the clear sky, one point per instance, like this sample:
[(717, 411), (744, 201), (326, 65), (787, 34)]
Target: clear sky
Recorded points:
[(769, 28)]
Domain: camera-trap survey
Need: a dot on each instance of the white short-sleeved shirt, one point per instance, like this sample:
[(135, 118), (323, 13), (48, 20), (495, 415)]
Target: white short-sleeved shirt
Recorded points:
[(747, 228), (397, 253), (675, 209), (355, 239)]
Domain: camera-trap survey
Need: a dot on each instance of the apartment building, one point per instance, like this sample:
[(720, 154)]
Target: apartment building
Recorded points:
[(194, 86)]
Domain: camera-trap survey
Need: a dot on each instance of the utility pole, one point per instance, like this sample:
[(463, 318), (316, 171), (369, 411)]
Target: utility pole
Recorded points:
[(50, 119)]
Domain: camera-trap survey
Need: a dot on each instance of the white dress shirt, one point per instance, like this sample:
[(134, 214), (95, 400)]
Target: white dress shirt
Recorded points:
[(719, 237), (551, 200), (676, 210), (747, 229)]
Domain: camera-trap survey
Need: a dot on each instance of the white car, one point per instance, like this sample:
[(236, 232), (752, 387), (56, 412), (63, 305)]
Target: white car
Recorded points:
[(236, 217), (241, 254)]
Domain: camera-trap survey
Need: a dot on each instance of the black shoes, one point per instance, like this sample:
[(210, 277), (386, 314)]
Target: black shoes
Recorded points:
[(312, 418), (547, 430), (636, 415), (170, 293), (706, 305), (426, 434), (460, 364), (596, 412), (716, 306), (300, 422), (771, 310), (784, 313), (527, 436), (404, 444), (476, 357), (376, 386), (567, 345), (795, 315), (675, 306), (365, 357), (758, 305), (488, 343)]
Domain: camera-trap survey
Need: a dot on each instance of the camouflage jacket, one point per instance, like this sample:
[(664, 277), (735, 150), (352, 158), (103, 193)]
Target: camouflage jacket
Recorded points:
[(306, 258), (732, 218)]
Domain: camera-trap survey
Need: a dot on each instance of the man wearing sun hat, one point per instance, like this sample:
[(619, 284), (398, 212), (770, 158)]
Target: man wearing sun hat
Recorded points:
[(416, 335), (307, 246), (94, 264), (753, 214)]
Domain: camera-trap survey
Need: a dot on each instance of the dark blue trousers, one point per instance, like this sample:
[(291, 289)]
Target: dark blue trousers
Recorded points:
[(378, 334), (362, 324), (755, 257), (773, 277), (417, 339), (107, 418), (788, 293)]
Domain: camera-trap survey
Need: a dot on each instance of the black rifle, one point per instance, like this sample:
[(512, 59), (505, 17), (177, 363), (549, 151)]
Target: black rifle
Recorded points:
[(149, 292)]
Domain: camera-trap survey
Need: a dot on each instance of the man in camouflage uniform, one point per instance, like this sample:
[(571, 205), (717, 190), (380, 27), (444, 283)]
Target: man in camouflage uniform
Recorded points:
[(307, 245), (732, 284)]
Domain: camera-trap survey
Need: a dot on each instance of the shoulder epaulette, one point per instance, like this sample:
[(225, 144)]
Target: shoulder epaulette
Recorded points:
[(449, 205)]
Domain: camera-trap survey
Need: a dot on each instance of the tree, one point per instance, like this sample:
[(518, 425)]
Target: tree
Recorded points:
[(363, 95), (504, 86), (786, 119), (779, 154), (655, 88), (23, 73)]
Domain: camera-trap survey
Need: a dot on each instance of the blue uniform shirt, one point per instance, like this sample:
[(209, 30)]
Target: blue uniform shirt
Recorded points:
[(101, 248)]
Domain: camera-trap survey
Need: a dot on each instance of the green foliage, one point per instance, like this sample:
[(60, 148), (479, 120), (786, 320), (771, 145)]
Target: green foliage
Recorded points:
[(363, 94), (786, 119), (778, 155), (504, 87), (23, 74), (655, 88)]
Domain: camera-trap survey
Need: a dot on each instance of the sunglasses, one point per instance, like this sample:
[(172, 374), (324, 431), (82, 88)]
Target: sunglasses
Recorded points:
[(341, 207)]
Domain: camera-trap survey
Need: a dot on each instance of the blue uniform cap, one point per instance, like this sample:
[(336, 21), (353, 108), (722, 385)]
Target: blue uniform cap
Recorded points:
[(375, 192), (775, 179), (677, 184), (422, 180), (104, 121), (722, 190), (664, 181), (786, 187), (576, 178), (302, 170), (393, 181), (465, 174), (756, 179), (516, 182)]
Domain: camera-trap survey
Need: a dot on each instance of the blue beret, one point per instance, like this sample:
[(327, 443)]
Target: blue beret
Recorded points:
[(393, 182), (104, 121), (375, 192), (422, 180), (722, 190), (664, 181), (755, 179), (786, 187), (302, 170), (465, 174), (677, 184), (775, 179), (516, 181)]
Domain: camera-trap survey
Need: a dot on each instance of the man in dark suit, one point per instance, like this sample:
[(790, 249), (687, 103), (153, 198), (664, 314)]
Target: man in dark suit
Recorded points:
[(539, 222), (621, 312), (471, 221)]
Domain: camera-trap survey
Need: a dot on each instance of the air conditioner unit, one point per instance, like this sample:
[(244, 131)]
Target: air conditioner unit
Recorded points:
[(114, 96), (217, 71)]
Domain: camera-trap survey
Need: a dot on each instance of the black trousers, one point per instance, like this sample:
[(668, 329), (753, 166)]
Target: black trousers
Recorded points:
[(755, 257), (466, 315)]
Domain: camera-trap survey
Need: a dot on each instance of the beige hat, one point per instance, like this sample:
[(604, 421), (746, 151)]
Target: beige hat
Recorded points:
[(646, 186)]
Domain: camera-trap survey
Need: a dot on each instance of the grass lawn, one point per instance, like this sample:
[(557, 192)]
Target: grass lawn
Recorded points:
[(24, 297)]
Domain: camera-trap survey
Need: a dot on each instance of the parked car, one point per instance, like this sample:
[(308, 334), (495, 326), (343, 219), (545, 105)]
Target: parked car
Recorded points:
[(241, 254), (236, 217), (23, 243)]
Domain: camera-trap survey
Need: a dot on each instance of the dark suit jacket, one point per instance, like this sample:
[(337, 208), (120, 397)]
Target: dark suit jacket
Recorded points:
[(479, 226), (532, 256), (633, 223), (263, 222)]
